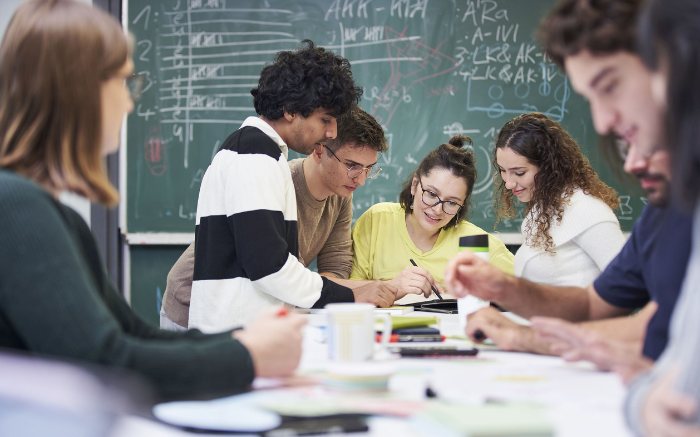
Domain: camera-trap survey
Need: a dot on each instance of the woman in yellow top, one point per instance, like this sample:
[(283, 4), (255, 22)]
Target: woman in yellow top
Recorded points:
[(425, 226)]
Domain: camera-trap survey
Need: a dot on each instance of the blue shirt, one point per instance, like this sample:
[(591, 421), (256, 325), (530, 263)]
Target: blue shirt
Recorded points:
[(651, 266)]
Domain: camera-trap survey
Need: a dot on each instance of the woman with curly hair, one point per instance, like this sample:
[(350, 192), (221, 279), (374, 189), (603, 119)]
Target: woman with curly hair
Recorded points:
[(425, 226), (570, 230)]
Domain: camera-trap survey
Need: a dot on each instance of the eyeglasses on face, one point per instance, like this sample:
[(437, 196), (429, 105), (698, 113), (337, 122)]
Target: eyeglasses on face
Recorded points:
[(135, 84), (623, 149), (432, 199), (356, 170)]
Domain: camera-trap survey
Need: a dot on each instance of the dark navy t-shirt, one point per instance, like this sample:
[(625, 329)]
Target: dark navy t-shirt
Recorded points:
[(651, 266)]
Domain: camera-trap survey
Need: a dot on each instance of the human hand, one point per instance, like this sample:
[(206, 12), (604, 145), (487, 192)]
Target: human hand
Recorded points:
[(378, 293), (574, 343), (274, 342), (468, 274), (490, 323), (665, 410), (415, 280)]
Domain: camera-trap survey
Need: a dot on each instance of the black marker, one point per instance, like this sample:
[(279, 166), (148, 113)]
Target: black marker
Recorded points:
[(434, 290)]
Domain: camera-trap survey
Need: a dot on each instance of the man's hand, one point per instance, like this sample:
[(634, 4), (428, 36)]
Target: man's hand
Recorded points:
[(379, 293), (415, 280), (665, 410), (468, 274), (574, 343), (274, 342), (490, 323)]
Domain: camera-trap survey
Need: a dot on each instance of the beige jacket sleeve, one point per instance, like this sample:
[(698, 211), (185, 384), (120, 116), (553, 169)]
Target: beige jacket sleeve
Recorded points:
[(176, 301)]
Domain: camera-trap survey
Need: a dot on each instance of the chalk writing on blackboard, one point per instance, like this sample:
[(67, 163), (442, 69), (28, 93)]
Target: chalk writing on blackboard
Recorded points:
[(429, 69)]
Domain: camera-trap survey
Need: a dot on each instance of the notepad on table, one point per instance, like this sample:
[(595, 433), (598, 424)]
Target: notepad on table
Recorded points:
[(395, 310), (489, 420)]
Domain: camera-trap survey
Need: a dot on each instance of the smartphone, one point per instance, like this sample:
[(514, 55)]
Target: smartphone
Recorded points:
[(421, 330), (332, 424), (428, 352)]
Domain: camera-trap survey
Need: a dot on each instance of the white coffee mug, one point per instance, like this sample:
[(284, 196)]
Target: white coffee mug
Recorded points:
[(479, 245), (351, 331)]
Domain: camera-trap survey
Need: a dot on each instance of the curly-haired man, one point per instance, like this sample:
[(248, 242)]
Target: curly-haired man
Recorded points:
[(246, 237)]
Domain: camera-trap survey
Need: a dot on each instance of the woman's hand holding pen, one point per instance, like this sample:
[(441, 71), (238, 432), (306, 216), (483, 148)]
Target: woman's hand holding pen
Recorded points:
[(415, 280), (273, 340)]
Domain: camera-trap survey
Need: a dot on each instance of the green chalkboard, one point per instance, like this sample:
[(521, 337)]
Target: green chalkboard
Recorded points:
[(150, 265), (429, 68)]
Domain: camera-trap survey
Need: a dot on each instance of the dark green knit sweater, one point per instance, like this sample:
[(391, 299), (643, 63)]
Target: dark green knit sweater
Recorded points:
[(55, 299)]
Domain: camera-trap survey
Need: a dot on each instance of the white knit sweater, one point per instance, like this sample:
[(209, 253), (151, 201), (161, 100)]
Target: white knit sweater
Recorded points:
[(586, 240)]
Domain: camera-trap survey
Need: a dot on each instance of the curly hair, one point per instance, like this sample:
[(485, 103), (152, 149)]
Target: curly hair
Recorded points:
[(303, 81), (603, 27), (360, 129), (561, 168), (454, 157)]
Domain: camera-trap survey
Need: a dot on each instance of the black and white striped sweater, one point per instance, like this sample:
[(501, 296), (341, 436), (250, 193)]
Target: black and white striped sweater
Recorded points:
[(246, 236)]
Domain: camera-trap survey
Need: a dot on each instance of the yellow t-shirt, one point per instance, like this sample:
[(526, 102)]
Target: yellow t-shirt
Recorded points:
[(382, 247)]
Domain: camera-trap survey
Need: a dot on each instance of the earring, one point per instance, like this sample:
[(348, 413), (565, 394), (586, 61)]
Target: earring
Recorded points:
[(411, 206)]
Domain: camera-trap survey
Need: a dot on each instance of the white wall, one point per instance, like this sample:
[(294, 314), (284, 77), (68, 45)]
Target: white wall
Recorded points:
[(80, 204), (7, 8)]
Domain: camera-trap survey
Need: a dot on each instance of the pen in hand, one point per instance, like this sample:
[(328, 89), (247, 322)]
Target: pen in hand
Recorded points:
[(434, 289)]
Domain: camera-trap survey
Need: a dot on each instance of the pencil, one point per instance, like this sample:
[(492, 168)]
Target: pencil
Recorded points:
[(434, 290)]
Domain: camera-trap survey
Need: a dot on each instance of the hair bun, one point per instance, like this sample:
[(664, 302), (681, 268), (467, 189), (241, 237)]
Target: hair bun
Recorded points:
[(459, 140)]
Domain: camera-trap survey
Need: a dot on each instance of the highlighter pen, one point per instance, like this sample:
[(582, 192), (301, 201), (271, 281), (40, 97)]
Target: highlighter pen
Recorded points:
[(434, 290)]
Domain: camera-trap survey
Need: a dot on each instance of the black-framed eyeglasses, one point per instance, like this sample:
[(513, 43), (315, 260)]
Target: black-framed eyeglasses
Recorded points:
[(135, 84), (432, 199), (356, 170)]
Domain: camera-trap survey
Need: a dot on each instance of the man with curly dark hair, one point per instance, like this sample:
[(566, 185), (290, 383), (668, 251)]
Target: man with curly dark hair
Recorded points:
[(324, 183), (594, 40), (246, 237)]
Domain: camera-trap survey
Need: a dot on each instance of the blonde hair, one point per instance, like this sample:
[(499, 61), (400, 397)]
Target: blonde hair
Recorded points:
[(53, 59)]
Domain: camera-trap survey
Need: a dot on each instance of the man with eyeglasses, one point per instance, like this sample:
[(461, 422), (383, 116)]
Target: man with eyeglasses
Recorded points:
[(323, 182), (649, 270)]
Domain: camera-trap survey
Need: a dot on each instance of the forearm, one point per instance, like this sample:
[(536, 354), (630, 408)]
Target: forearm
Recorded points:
[(350, 283), (627, 329), (525, 340), (531, 299), (505, 332)]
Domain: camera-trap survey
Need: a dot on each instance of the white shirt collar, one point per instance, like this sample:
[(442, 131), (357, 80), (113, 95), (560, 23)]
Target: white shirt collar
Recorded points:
[(269, 131)]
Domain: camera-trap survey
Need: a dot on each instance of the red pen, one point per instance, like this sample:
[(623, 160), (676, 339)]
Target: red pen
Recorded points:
[(396, 338)]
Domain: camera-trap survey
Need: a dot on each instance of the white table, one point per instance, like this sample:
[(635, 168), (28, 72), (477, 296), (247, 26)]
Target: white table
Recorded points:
[(580, 401)]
